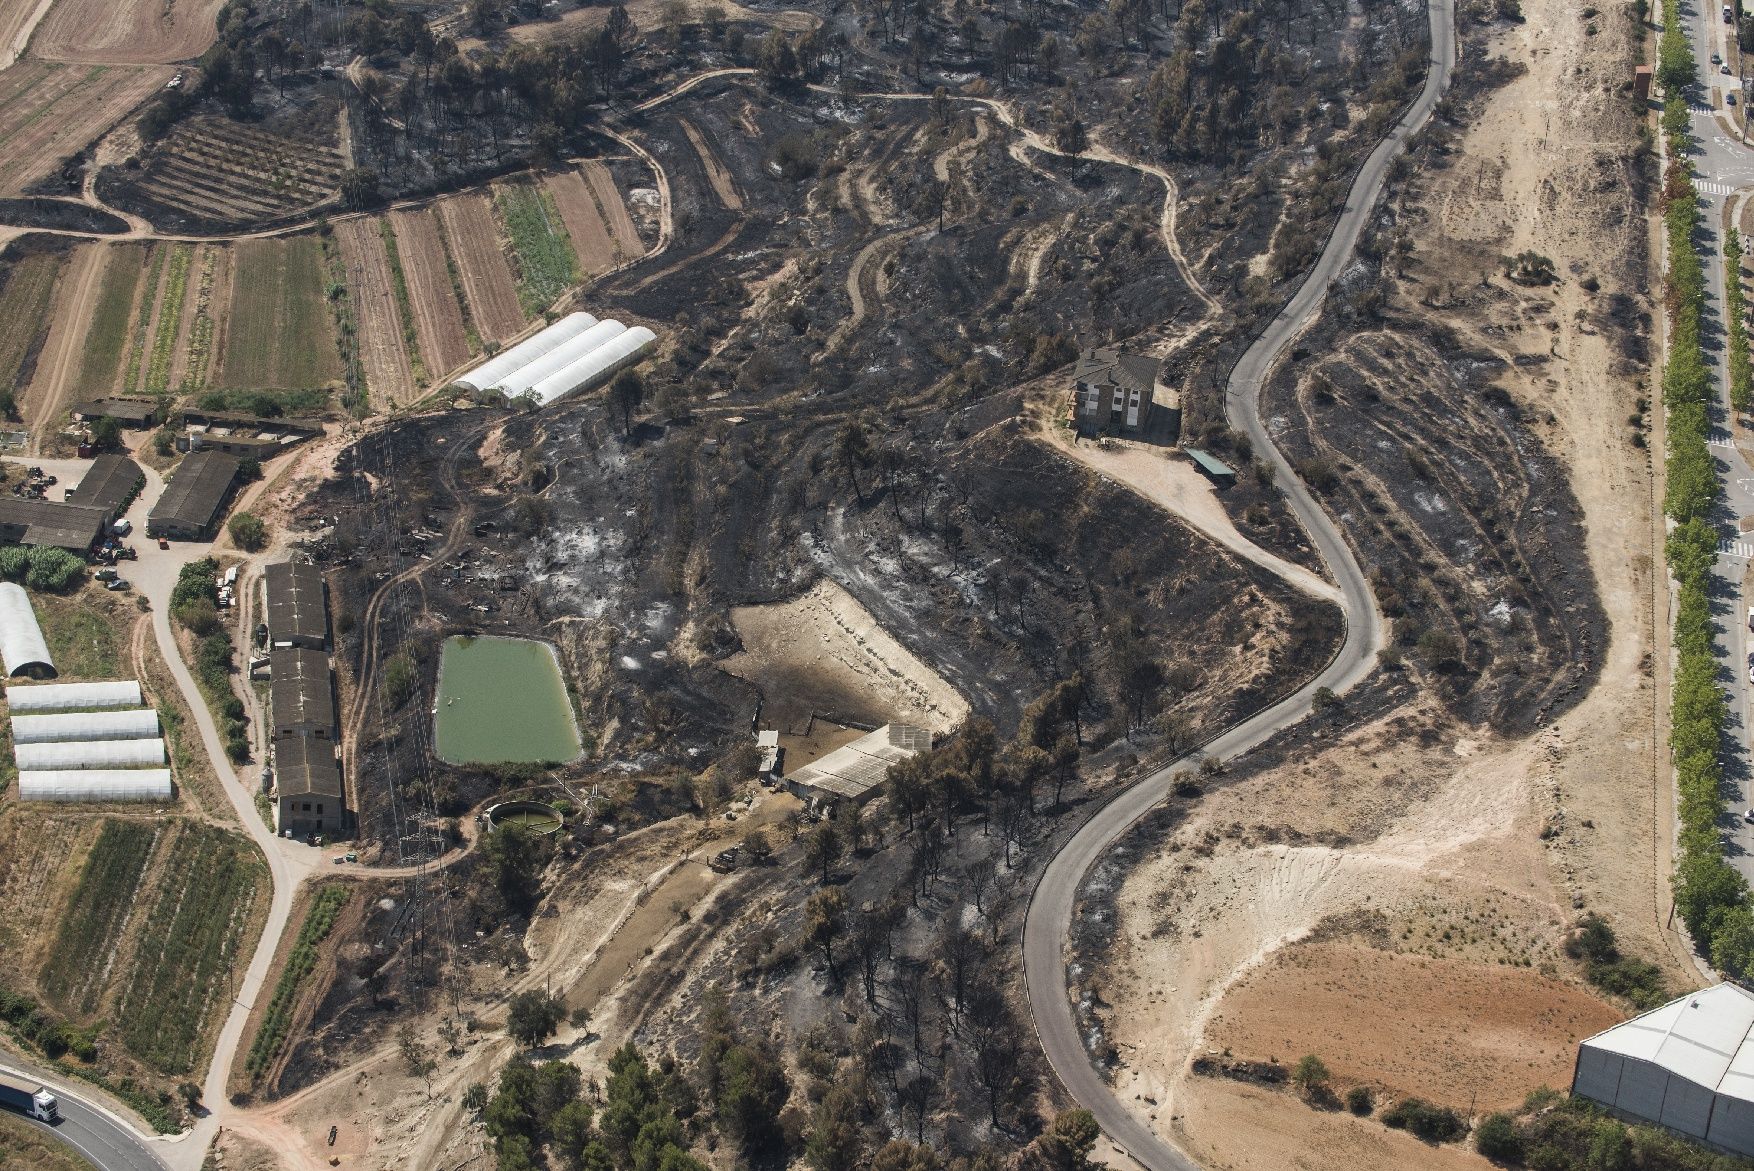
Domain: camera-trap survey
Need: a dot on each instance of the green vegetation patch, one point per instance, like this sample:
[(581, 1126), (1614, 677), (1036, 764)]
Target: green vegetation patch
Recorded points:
[(319, 921), (201, 329), (181, 977), (170, 320), (546, 266), (74, 976), (279, 334), (137, 347), (86, 641), (404, 308), (1573, 1135), (108, 331)]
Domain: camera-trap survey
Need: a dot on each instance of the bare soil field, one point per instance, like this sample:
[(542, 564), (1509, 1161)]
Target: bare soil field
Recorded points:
[(723, 185), (16, 23), (648, 14), (28, 283), (370, 284), (487, 280), (621, 228), (278, 333), (132, 32), (595, 251), (211, 171), (55, 380), (438, 318), (49, 112), (823, 652)]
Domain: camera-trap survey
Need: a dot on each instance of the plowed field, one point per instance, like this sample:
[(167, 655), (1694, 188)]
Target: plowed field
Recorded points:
[(584, 223), (49, 112), (621, 228), (438, 318), (229, 173), (126, 32), (52, 386), (278, 335), (24, 305), (481, 265), (388, 377), (15, 21)]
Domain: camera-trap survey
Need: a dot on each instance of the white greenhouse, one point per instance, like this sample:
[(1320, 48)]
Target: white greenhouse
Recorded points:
[(140, 784), (494, 371), (22, 648), (73, 697), (595, 366), (559, 358), (123, 725), (91, 754)]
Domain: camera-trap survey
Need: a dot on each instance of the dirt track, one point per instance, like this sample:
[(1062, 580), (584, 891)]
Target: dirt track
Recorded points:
[(438, 319), (723, 185), (388, 377), (584, 223), (126, 32), (64, 351), (481, 265)]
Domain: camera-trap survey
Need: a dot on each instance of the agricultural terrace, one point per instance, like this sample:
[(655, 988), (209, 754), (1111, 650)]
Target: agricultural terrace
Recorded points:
[(372, 286), (572, 197), (107, 333), (26, 285), (490, 290), (278, 332), (126, 32), (167, 319), (543, 253), (49, 112), (435, 292), (224, 173)]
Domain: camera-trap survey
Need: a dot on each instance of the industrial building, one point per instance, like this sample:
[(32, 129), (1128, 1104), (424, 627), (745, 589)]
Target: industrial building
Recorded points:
[(853, 771), (195, 500), (298, 613), (109, 486), (22, 648), (1687, 1066), (576, 353), (308, 781), (28, 520), (136, 414), (245, 436), (1113, 391), (134, 784), (73, 697), (301, 693)]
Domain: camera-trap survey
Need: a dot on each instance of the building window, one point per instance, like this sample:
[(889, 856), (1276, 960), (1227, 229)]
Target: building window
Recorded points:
[(319, 809), (307, 807)]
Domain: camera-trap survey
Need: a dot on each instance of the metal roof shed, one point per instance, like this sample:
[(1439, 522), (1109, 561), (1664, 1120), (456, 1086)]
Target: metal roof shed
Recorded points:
[(298, 613), (853, 771), (143, 784), (109, 484), (195, 498), (89, 754), (1214, 469), (301, 694), (73, 697), (22, 648), (66, 727)]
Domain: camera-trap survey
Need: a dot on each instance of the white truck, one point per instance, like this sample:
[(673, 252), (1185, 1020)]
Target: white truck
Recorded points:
[(29, 1098)]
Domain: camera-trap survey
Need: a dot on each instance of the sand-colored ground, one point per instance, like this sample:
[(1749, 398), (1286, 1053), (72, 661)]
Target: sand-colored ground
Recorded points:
[(481, 265), (127, 32), (824, 652), (382, 351), (621, 229), (53, 385), (1437, 908), (584, 222), (724, 186), (438, 318), (50, 111), (18, 19)]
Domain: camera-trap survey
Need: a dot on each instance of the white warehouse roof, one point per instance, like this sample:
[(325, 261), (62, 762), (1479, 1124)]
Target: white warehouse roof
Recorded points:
[(1688, 1066), (142, 784), (68, 697), (495, 370), (91, 754), (123, 725), (22, 648)]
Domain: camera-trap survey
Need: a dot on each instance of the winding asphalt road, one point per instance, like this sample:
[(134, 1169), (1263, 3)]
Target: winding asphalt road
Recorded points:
[(103, 1139), (1051, 908)]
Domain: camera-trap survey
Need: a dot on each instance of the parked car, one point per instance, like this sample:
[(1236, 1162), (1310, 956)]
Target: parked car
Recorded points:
[(1724, 69), (115, 583), (163, 544), (105, 575), (1716, 60), (122, 527)]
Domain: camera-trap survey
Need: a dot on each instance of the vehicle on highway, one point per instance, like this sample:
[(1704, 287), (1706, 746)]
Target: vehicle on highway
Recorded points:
[(29, 1098)]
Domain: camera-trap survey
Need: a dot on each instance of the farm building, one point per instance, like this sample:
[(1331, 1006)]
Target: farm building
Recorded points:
[(135, 784), (1687, 1066), (110, 485), (576, 353), (22, 648), (65, 727), (245, 436), (301, 693), (853, 771), (1112, 391), (196, 498), (25, 520), (136, 414), (73, 697), (146, 752), (1220, 473), (308, 781), (298, 614)]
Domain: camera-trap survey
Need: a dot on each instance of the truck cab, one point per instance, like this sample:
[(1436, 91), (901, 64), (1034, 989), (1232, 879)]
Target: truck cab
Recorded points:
[(45, 1107), (30, 1098)]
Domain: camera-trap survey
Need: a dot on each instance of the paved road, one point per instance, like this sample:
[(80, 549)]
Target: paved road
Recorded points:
[(107, 1142), (1049, 919)]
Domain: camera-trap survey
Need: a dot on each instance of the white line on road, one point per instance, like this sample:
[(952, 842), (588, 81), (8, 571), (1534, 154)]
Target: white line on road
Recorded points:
[(1735, 549), (1705, 188)]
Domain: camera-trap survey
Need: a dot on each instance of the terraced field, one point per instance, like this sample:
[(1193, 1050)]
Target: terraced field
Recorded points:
[(50, 112), (277, 327), (621, 229), (488, 285), (445, 340), (40, 858), (230, 173)]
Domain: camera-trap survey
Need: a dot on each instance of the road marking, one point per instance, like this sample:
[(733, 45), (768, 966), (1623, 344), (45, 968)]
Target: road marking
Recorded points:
[(1703, 111), (1705, 188), (1726, 442), (1735, 549)]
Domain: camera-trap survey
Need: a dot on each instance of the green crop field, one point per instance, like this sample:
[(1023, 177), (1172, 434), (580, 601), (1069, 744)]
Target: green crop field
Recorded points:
[(546, 266), (105, 338), (73, 977), (278, 335), (181, 976), (137, 346), (170, 319), (319, 921), (24, 301)]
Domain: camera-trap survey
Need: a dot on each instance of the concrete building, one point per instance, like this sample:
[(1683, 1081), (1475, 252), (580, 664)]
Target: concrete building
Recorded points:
[(1687, 1066), (298, 612), (308, 782), (853, 771), (1113, 391), (245, 436), (301, 694), (109, 485), (195, 500)]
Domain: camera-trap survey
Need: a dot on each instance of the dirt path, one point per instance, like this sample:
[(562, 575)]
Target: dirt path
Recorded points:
[(723, 185), (388, 375), (53, 385)]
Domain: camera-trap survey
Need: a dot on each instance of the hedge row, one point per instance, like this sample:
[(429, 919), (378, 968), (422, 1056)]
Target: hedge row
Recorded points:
[(1735, 313)]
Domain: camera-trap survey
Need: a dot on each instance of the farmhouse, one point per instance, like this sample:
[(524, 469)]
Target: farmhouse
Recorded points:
[(298, 615), (309, 784), (853, 771), (1112, 391), (1687, 1066), (195, 500)]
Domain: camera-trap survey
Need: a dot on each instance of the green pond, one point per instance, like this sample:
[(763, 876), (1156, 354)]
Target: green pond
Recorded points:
[(502, 699)]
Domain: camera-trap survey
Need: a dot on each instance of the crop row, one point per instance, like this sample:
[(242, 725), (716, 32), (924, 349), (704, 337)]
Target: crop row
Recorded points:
[(183, 969), (74, 975), (471, 334), (201, 329), (325, 909), (546, 267), (137, 347), (170, 320), (404, 309)]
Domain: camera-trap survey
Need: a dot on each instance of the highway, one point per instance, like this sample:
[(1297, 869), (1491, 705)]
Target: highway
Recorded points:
[(1049, 919)]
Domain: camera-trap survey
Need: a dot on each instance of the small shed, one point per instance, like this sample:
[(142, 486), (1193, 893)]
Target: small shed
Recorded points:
[(1220, 473)]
